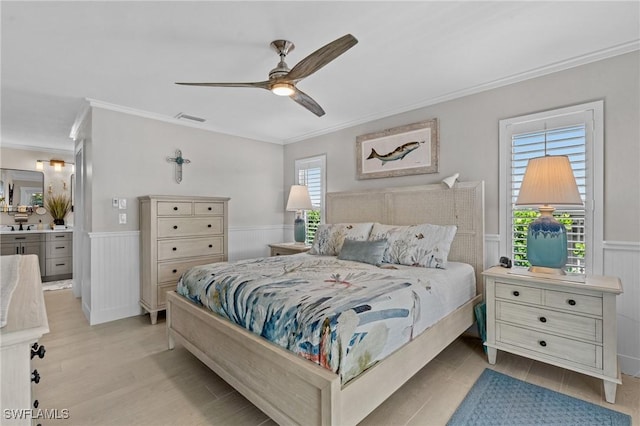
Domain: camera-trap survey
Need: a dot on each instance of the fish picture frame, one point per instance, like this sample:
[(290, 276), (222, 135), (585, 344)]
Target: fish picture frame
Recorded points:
[(400, 151)]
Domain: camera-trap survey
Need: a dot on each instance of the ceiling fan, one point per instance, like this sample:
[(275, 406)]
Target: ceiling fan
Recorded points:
[(282, 80)]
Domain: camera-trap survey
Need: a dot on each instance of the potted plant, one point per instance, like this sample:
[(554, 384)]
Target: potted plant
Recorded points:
[(58, 206)]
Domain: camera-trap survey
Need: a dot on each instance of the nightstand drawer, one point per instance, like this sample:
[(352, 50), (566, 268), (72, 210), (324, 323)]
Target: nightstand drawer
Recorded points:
[(565, 324), (574, 302), (518, 293), (549, 345)]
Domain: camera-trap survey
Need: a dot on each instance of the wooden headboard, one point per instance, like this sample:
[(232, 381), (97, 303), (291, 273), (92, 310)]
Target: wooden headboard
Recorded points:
[(462, 205)]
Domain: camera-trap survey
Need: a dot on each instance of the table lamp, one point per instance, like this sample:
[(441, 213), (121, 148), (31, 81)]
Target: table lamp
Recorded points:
[(548, 180), (299, 200)]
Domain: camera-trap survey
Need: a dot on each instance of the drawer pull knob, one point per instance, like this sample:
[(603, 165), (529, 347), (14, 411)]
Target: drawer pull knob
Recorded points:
[(175, 226), (175, 209), (175, 249), (209, 208), (571, 302), (37, 350), (210, 245), (36, 403), (35, 376), (175, 271), (209, 226), (516, 293), (543, 343), (543, 319)]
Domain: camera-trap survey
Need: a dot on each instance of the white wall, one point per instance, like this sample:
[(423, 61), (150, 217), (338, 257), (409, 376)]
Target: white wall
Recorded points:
[(469, 144)]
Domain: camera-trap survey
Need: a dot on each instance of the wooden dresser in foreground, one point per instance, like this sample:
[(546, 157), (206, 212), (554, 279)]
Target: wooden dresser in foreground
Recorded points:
[(556, 319), (177, 233)]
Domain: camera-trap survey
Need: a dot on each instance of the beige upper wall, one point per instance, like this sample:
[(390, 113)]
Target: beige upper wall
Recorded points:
[(128, 160), (469, 142)]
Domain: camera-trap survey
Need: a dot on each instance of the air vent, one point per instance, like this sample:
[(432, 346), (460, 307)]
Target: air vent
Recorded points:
[(183, 116)]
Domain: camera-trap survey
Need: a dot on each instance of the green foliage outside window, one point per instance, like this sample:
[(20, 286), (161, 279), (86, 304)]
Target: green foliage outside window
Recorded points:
[(313, 221)]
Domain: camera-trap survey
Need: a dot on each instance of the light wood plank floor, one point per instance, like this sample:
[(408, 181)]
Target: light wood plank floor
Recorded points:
[(121, 373)]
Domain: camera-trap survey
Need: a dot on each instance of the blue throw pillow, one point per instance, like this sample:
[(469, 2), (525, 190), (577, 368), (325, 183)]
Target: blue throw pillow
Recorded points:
[(363, 251)]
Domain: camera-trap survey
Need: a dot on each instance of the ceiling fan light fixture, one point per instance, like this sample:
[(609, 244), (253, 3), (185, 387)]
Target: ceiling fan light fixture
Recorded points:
[(283, 89)]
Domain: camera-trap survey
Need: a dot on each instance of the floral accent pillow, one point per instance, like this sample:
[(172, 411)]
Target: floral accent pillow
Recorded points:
[(419, 245), (330, 237)]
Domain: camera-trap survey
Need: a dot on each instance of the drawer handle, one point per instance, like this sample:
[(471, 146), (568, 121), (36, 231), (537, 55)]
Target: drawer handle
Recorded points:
[(209, 208), (36, 403), (60, 247), (37, 350), (35, 376), (543, 319), (516, 293), (209, 226), (174, 271), (210, 245), (60, 264), (175, 226), (571, 302), (175, 249), (175, 209), (543, 343), (21, 238)]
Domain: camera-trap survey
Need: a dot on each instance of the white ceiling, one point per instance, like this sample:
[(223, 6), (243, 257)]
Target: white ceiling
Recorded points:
[(410, 54)]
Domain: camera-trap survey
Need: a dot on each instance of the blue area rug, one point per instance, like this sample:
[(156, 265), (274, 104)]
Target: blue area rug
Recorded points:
[(497, 399)]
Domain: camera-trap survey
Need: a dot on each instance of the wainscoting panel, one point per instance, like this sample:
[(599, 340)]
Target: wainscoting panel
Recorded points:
[(251, 242), (115, 275), (622, 260)]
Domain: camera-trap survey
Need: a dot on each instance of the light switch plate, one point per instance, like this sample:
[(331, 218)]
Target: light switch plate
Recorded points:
[(122, 203), (122, 218)]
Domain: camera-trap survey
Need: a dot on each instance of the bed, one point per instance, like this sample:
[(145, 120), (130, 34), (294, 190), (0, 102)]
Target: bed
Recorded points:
[(294, 390)]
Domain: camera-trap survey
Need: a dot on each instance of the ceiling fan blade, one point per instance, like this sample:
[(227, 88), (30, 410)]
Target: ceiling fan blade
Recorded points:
[(321, 57), (306, 101), (258, 84)]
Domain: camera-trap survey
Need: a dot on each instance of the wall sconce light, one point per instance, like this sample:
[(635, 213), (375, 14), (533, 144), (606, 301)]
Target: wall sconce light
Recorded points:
[(56, 164), (451, 180)]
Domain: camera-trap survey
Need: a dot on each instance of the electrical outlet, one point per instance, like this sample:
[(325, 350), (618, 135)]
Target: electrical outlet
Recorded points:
[(122, 203), (122, 218), (114, 202)]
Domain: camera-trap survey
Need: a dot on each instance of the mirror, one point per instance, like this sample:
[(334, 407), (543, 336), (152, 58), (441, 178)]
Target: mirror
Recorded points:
[(21, 188)]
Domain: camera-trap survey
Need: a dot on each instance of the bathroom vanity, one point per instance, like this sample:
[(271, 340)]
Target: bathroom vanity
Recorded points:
[(54, 249)]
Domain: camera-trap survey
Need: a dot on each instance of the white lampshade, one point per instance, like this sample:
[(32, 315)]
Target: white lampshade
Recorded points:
[(549, 180), (299, 198)]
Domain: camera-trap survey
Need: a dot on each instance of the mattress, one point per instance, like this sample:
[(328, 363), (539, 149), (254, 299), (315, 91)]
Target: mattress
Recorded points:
[(345, 316)]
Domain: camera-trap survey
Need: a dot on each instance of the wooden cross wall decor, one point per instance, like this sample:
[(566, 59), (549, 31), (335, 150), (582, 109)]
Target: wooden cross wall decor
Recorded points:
[(179, 161)]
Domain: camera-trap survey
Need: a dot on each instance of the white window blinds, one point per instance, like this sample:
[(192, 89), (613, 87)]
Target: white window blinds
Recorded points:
[(311, 172)]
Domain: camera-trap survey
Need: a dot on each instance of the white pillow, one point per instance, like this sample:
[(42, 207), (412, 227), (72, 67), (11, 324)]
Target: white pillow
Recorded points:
[(418, 245), (330, 237)]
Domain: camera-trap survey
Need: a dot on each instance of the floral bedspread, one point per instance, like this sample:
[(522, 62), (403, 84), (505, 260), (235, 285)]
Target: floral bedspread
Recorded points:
[(343, 315)]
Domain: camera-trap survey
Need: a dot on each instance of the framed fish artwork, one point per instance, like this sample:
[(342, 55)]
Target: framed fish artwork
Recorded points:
[(401, 151)]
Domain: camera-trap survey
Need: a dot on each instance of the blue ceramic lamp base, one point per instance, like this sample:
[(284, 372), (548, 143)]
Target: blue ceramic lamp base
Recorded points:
[(547, 244), (299, 233)]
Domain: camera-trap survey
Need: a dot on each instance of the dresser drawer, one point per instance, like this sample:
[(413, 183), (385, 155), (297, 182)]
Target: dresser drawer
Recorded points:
[(184, 227), (574, 302), (57, 249), (208, 209), (20, 238), (518, 293), (171, 271), (565, 324), (61, 266), (59, 236), (190, 247), (161, 297), (575, 351), (174, 208)]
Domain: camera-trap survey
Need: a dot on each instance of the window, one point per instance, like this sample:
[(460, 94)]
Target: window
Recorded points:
[(577, 133), (311, 172)]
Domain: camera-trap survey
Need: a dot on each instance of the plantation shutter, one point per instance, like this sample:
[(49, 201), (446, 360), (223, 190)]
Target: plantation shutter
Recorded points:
[(569, 141), (311, 172)]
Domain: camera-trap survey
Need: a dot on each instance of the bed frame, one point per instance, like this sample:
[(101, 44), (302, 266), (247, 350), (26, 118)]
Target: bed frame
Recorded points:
[(292, 390)]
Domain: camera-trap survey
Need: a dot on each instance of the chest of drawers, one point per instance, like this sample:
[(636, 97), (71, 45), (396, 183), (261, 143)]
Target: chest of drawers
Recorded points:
[(564, 321), (176, 234)]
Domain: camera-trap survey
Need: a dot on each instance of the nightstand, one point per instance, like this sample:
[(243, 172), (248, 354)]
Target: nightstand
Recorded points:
[(284, 249), (562, 320)]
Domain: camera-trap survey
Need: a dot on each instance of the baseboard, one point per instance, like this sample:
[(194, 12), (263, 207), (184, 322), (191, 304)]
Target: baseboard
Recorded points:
[(629, 365)]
